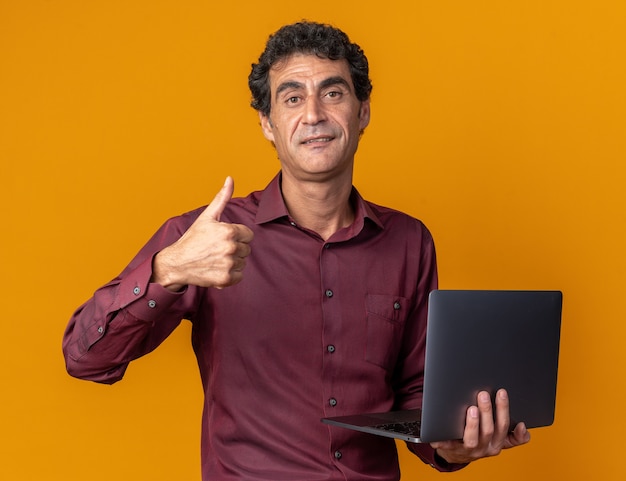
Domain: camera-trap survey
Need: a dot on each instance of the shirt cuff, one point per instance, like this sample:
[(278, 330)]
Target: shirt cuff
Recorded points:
[(427, 454), (144, 299)]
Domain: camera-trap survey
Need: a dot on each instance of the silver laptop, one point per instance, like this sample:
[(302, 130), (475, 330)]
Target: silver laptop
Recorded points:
[(475, 341)]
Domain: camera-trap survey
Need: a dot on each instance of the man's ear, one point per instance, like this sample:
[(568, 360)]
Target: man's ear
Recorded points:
[(266, 126), (364, 114)]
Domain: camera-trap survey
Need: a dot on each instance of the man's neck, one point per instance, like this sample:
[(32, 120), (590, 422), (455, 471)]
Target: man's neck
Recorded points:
[(323, 207)]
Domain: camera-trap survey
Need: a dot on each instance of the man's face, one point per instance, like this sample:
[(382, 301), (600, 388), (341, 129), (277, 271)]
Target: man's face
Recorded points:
[(315, 118)]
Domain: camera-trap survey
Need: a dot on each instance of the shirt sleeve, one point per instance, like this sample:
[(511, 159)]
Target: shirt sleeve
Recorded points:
[(409, 376), (126, 318)]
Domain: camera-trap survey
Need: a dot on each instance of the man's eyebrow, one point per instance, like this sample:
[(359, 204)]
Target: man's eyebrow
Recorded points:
[(337, 80), (329, 82), (290, 84)]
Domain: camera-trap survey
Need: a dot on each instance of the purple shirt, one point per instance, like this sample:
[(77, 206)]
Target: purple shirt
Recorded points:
[(314, 329)]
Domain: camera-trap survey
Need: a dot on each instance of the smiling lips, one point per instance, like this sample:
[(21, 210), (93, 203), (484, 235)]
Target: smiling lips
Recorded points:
[(315, 140)]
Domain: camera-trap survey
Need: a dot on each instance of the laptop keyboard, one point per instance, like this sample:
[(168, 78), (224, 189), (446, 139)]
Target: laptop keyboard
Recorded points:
[(410, 428)]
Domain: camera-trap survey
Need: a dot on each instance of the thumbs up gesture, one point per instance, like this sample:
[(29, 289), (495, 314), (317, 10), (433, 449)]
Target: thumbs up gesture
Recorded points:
[(209, 254)]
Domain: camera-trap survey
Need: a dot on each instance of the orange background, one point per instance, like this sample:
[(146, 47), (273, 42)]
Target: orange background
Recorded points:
[(502, 125)]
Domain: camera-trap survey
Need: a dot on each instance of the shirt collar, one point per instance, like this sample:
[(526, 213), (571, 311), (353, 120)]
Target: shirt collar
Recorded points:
[(272, 205)]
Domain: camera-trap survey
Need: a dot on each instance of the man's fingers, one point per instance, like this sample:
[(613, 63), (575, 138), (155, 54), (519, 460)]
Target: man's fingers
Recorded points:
[(520, 435), (243, 233), (243, 248), (486, 414), (503, 419), (482, 436), (472, 427), (216, 207)]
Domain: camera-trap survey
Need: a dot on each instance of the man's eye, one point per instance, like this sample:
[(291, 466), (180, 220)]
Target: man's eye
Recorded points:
[(334, 94), (292, 100)]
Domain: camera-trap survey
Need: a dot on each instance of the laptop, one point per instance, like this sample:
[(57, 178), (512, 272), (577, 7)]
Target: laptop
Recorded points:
[(475, 341)]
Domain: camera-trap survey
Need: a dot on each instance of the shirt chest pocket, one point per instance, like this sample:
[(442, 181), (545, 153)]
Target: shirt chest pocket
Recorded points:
[(386, 315)]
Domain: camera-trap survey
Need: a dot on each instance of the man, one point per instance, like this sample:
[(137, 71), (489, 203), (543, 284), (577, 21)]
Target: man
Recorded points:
[(306, 300)]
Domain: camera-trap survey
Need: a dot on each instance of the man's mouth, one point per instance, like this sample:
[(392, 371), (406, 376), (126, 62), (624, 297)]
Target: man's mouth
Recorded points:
[(317, 140)]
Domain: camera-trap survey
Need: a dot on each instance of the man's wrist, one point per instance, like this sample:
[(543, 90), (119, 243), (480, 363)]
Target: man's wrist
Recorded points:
[(160, 274), (440, 460), (445, 465)]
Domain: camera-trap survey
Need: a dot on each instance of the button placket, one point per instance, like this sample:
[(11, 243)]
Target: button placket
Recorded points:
[(331, 311)]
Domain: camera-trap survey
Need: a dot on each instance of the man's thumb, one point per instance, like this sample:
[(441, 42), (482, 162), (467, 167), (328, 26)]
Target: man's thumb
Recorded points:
[(216, 207)]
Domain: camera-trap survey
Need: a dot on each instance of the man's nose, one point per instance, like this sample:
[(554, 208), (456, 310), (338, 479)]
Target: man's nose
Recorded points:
[(314, 112)]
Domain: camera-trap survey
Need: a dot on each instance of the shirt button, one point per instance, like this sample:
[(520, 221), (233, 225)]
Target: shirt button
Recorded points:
[(100, 329), (338, 454), (136, 290), (396, 305), (293, 223), (329, 293), (332, 401), (330, 348), (151, 304), (326, 246)]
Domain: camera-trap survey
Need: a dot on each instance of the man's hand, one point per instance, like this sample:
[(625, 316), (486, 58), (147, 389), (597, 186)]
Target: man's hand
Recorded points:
[(210, 254), (482, 437)]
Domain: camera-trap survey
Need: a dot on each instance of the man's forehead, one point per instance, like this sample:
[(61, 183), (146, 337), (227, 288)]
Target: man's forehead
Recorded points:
[(307, 65)]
